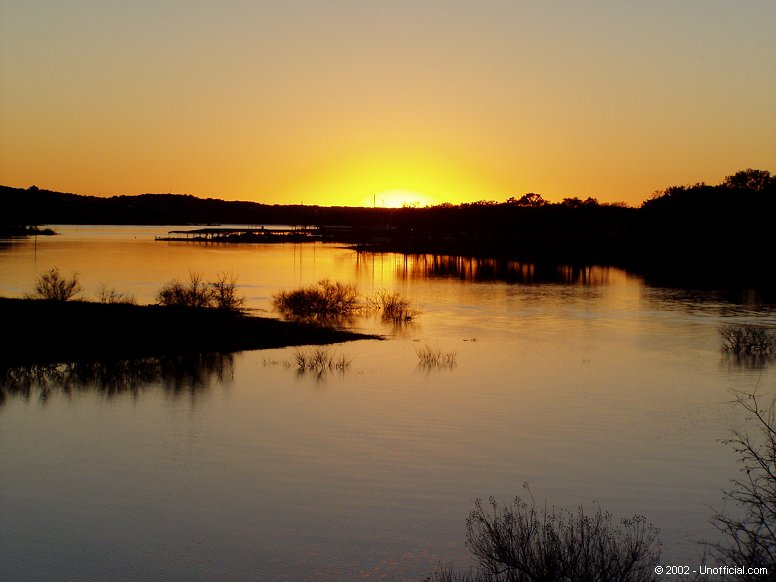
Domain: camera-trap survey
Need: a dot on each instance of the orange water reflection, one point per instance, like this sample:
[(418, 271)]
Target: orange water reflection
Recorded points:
[(583, 381)]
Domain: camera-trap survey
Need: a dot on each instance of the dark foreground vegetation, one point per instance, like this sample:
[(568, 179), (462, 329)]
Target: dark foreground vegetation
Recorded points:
[(685, 234), (46, 331), (520, 542)]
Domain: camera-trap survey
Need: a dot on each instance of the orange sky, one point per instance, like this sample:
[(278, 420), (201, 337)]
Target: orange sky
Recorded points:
[(355, 102)]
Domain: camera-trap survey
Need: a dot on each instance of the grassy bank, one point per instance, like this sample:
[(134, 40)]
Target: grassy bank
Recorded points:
[(39, 331)]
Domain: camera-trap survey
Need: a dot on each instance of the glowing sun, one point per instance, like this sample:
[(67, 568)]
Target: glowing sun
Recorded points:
[(400, 197)]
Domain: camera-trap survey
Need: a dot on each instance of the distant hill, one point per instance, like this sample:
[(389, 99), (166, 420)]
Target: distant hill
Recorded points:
[(36, 206)]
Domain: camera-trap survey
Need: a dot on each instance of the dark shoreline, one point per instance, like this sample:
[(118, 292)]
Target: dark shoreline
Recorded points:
[(685, 236), (44, 332), (24, 231)]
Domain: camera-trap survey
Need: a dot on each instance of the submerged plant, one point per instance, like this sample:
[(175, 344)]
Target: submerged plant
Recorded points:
[(328, 301), (433, 357), (392, 306), (323, 301), (748, 339), (319, 360)]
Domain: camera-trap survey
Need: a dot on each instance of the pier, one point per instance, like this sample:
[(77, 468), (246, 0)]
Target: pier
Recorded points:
[(244, 235)]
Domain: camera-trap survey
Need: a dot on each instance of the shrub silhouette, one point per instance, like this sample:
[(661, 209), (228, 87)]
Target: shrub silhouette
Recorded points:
[(327, 301), (322, 301), (191, 293), (520, 543), (195, 293), (55, 287), (224, 293)]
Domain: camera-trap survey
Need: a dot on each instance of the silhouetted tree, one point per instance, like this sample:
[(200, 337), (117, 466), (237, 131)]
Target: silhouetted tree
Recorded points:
[(576, 202), (749, 179), (532, 200)]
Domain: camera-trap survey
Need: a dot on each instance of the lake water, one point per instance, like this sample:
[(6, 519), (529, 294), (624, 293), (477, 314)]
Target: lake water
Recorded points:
[(591, 386)]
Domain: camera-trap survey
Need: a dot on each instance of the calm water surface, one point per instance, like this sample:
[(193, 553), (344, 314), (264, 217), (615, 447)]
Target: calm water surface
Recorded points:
[(589, 385)]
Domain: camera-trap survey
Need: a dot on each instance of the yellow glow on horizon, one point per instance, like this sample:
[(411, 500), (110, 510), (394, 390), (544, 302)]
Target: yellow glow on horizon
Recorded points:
[(390, 177), (399, 198)]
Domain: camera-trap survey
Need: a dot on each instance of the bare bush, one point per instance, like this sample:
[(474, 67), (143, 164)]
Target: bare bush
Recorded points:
[(517, 542), (220, 294), (191, 293), (750, 534), (55, 287), (224, 293), (326, 301), (322, 301)]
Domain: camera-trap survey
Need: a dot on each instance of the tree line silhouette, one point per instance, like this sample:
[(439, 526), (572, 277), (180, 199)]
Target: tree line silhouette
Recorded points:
[(696, 233)]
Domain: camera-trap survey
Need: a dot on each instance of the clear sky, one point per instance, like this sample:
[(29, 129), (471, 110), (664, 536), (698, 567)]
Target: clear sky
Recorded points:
[(361, 101)]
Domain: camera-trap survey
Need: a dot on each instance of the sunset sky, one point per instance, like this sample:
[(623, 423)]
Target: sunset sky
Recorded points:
[(358, 101)]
